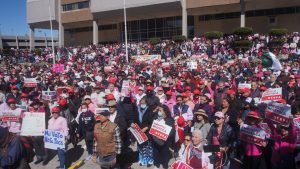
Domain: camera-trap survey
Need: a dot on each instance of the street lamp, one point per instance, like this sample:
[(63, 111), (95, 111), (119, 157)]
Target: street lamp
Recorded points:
[(50, 20)]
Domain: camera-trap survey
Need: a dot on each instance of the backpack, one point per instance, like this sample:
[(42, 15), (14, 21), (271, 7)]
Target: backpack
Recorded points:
[(27, 144)]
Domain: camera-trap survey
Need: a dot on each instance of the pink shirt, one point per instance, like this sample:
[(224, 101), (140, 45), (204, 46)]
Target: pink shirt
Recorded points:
[(170, 103), (59, 124)]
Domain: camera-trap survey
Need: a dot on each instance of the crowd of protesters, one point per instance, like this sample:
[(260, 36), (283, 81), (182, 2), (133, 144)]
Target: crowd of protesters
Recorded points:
[(202, 105)]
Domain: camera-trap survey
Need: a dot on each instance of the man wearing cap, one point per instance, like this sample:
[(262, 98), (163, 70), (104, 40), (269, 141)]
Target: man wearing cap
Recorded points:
[(219, 95), (97, 96), (108, 142), (160, 94), (14, 94), (139, 95), (151, 99), (114, 91)]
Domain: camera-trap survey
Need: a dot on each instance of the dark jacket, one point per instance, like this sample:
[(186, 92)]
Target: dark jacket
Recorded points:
[(184, 109), (226, 136), (147, 119), (120, 121), (207, 108), (218, 98), (86, 124)]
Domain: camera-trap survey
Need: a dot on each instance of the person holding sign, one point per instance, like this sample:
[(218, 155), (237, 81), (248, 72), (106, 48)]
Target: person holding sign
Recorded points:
[(13, 117), (254, 158), (161, 148), (59, 123)]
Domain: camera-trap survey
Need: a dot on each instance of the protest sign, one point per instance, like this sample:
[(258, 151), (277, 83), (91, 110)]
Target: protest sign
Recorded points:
[(266, 128), (58, 68), (138, 134), (146, 58), (10, 118), (98, 110), (252, 135), (297, 125), (278, 113), (192, 65), (54, 139), (33, 124), (48, 95), (30, 82), (180, 165), (242, 86), (272, 94), (125, 88), (160, 130)]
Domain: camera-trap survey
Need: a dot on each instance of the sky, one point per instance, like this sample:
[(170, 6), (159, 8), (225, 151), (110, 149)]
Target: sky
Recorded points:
[(13, 19)]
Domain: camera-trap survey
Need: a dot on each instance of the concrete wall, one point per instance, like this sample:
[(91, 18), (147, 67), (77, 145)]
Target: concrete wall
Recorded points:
[(205, 3), (107, 5), (259, 24), (38, 11), (76, 16)]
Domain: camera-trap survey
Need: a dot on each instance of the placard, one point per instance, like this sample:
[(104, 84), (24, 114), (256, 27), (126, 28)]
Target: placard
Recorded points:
[(242, 86), (125, 88), (272, 94), (48, 95), (160, 130), (58, 68), (266, 128), (192, 65), (98, 110), (138, 134), (30, 82), (33, 124), (252, 135), (278, 113), (54, 139), (180, 165)]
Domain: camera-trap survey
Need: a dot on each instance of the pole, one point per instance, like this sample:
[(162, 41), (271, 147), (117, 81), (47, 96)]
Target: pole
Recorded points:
[(125, 22), (243, 11), (50, 19)]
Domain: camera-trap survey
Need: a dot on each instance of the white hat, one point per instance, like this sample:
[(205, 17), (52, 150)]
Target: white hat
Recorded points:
[(87, 97)]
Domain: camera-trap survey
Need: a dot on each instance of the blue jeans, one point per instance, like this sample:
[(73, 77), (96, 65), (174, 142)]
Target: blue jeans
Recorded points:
[(61, 157)]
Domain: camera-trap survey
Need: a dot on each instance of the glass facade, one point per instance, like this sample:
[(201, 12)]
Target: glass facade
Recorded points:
[(165, 28), (75, 6)]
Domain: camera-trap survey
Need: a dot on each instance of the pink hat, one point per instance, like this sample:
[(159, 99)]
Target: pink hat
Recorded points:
[(160, 89), (219, 114)]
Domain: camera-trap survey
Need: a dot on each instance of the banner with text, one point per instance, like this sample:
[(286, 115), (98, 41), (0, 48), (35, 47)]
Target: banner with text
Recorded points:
[(30, 82), (48, 95), (138, 134), (160, 130), (243, 86), (278, 113), (272, 94), (252, 135)]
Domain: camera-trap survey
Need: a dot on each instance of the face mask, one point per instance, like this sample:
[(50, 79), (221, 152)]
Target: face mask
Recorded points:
[(160, 115), (83, 110), (143, 106)]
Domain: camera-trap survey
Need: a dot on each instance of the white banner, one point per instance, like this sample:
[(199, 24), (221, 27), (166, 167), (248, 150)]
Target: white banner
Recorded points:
[(272, 94), (54, 139), (33, 124), (160, 130), (138, 134)]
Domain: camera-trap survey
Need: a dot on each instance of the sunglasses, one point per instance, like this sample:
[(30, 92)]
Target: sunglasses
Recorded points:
[(187, 140), (218, 118)]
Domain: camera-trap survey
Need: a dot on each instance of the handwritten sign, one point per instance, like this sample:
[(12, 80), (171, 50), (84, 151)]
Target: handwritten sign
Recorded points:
[(48, 95), (252, 135), (33, 124), (278, 113), (272, 94), (54, 139), (160, 130), (30, 82), (138, 134)]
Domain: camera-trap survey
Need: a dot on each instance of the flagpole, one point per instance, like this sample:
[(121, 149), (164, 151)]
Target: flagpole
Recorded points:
[(125, 22), (50, 20)]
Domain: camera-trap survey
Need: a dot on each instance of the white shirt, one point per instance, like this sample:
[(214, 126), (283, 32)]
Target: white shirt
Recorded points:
[(112, 117)]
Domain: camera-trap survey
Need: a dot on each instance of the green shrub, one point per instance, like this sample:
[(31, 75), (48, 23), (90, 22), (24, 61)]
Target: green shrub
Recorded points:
[(178, 38), (242, 44), (245, 31), (279, 41), (213, 35), (154, 40), (278, 32)]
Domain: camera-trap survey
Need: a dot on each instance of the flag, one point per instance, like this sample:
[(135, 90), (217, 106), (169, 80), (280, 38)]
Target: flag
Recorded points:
[(269, 60)]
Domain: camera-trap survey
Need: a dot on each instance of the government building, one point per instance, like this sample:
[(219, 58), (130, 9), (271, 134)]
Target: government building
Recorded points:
[(81, 22)]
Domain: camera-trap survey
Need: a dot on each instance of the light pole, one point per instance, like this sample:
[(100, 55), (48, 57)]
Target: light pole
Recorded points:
[(50, 20), (125, 24)]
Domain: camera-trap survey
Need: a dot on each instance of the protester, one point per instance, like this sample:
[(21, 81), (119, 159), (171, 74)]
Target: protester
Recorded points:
[(201, 122)]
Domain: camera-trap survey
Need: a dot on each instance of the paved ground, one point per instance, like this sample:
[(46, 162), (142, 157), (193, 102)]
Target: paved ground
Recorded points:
[(79, 153)]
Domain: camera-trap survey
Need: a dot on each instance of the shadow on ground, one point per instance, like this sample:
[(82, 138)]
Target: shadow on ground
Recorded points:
[(73, 155)]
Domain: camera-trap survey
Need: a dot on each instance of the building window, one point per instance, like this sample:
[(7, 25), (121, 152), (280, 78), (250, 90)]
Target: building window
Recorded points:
[(75, 6)]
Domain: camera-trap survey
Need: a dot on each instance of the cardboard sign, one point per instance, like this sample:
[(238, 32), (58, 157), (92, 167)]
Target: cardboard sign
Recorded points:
[(125, 88), (30, 82), (58, 68), (160, 130), (33, 124), (54, 139), (242, 86), (48, 95), (138, 134), (297, 125), (252, 135), (272, 94), (192, 65), (278, 113)]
